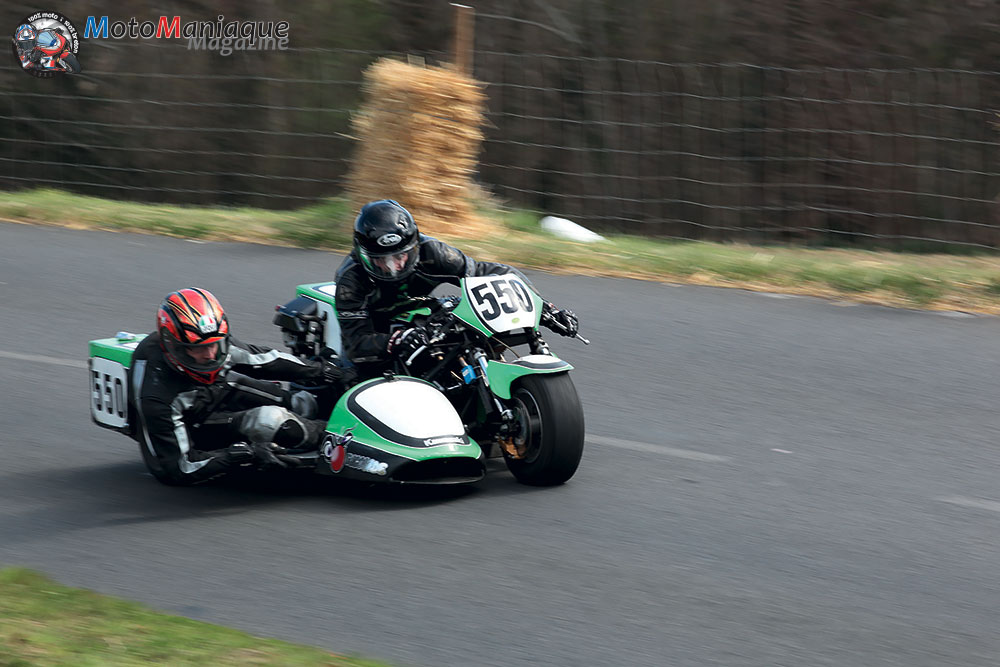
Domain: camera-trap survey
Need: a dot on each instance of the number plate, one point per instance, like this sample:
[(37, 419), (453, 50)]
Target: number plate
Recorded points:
[(108, 392), (503, 303)]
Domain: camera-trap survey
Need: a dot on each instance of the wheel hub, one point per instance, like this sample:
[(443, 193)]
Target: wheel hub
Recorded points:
[(522, 434), (512, 449)]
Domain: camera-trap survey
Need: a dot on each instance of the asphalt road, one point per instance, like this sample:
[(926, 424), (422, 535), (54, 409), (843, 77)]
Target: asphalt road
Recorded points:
[(768, 481)]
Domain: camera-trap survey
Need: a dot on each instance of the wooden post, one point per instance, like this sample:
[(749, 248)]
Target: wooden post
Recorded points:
[(464, 33)]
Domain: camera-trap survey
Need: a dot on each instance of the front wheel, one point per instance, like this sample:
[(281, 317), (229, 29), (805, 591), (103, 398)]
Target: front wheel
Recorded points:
[(548, 444), (70, 63)]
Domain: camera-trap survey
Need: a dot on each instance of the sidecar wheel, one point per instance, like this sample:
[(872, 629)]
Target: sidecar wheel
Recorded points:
[(155, 469), (549, 442)]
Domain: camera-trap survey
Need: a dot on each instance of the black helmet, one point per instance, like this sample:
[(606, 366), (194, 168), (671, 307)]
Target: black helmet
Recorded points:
[(385, 240)]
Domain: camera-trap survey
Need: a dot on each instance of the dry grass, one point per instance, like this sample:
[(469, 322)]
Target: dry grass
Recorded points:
[(928, 281)]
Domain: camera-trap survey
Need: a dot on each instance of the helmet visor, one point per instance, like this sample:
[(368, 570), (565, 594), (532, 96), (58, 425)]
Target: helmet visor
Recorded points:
[(202, 357), (393, 265)]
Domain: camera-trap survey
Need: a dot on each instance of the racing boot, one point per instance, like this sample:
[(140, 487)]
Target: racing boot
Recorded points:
[(281, 427), (300, 435)]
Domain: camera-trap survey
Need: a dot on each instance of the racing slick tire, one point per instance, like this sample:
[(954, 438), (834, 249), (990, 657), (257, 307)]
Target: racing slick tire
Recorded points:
[(71, 63), (549, 439), (155, 469)]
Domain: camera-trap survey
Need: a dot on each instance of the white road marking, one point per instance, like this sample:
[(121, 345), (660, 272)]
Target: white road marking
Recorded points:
[(780, 451), (656, 449), (962, 501), (39, 359)]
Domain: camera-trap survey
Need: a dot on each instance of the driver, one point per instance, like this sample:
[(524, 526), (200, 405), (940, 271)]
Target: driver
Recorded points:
[(391, 262), (26, 39), (203, 399)]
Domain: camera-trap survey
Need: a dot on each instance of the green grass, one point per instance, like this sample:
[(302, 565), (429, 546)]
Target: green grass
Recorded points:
[(945, 280), (45, 623)]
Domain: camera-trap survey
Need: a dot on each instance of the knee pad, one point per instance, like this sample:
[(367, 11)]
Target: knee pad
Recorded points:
[(303, 403)]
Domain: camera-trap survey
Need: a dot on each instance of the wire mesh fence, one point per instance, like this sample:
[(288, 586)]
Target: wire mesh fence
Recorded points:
[(900, 157), (171, 129), (757, 153)]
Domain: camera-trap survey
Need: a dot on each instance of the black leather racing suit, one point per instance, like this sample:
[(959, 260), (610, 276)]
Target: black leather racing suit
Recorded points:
[(364, 305), (184, 427)]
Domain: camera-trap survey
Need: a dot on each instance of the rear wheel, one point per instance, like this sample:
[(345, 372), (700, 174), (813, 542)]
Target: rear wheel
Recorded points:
[(548, 443)]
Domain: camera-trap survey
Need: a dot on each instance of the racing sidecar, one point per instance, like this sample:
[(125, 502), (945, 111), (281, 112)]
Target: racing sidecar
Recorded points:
[(424, 421), (389, 429)]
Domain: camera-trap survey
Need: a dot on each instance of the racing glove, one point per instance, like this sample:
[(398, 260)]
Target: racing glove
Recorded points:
[(562, 321), (237, 454), (264, 455), (334, 373), (404, 342), (30, 59)]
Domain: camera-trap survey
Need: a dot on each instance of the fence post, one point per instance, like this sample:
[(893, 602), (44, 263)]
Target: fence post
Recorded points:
[(464, 33)]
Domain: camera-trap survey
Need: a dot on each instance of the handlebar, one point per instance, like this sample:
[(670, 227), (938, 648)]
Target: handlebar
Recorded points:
[(437, 323), (554, 324)]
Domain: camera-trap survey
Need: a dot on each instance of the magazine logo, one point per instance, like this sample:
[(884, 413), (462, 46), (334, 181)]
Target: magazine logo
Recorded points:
[(45, 45), (218, 35)]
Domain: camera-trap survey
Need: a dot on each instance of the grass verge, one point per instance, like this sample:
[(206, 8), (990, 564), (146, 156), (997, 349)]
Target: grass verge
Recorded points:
[(45, 623), (915, 280)]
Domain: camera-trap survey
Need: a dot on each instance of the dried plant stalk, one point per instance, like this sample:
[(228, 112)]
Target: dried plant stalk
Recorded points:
[(419, 134)]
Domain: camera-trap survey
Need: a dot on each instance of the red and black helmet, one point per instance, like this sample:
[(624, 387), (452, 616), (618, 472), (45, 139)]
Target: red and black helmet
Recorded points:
[(194, 333)]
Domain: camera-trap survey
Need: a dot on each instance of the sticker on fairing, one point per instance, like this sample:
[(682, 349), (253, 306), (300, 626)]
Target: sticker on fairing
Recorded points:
[(108, 392), (503, 303), (366, 464), (335, 449)]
